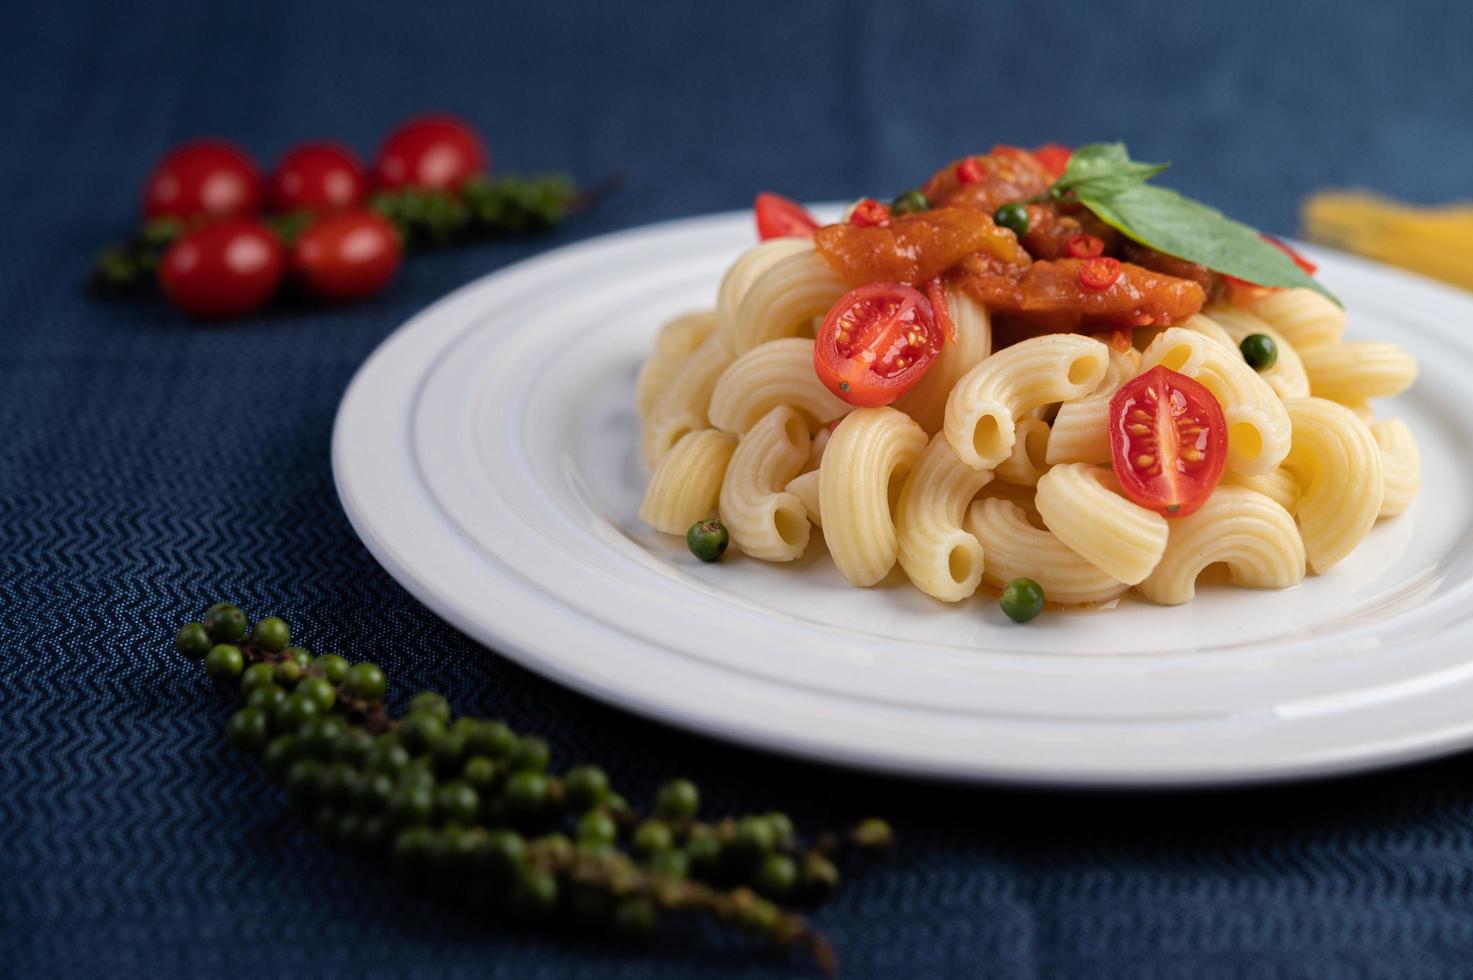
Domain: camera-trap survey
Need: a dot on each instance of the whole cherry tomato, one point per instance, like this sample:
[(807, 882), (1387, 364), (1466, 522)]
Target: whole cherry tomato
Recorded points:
[(431, 153), (204, 177), (318, 177), (347, 255), (223, 269)]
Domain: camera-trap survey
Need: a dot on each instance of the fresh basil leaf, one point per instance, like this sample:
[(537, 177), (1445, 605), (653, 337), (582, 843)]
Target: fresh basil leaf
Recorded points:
[(1179, 226), (1104, 169)]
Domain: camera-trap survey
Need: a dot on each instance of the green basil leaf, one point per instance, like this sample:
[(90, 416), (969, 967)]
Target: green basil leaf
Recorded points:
[(1179, 226), (1104, 169)]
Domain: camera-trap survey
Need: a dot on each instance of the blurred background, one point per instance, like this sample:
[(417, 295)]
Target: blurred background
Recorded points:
[(149, 466)]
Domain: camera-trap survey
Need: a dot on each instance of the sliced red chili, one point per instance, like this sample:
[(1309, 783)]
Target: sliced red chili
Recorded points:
[(1085, 246), (970, 171), (1099, 274), (937, 296), (869, 213)]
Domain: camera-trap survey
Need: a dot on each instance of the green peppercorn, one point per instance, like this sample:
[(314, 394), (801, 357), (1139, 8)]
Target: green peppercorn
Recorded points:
[(413, 847), (526, 792), (492, 739), (225, 623), (248, 729), (339, 784), (457, 801), (873, 834), (367, 681), (193, 640), (505, 853), (1021, 599), (674, 863), (783, 832), (280, 754), (255, 676), (677, 801), (303, 781), (319, 689), (448, 753), (652, 836), (635, 919), (224, 661), (776, 875), (554, 848), (272, 634), (390, 757), (595, 827), (534, 892), (818, 878), (705, 853), (333, 667), (266, 697), (373, 791), (531, 754), (411, 805), (479, 773), (354, 746), (752, 840), (287, 673), (707, 540), (421, 730), (586, 787), (616, 804), (1013, 216), (301, 656), (910, 202), (428, 702), (1260, 351)]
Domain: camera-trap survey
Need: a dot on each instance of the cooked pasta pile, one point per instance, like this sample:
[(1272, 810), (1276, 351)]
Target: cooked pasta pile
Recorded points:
[(997, 464)]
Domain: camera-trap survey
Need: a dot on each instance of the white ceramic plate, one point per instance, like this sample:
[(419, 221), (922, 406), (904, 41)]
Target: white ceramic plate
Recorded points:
[(487, 455)]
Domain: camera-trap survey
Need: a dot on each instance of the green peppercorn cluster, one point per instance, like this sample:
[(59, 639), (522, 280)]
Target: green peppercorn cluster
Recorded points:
[(483, 207), (468, 808)]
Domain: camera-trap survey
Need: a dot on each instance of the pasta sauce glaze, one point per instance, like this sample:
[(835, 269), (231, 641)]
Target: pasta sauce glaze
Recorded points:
[(1032, 281)]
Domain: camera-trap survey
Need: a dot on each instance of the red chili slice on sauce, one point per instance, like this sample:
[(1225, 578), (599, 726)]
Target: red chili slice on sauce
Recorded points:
[(875, 343), (1168, 441), (869, 213), (1085, 246), (969, 171), (1099, 274)]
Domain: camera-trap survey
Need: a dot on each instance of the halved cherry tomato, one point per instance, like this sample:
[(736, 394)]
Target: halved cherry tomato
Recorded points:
[(1306, 266), (1099, 274), (869, 213), (1054, 157), (779, 217), (318, 177), (875, 343), (1085, 246), (1168, 441), (431, 153), (204, 177)]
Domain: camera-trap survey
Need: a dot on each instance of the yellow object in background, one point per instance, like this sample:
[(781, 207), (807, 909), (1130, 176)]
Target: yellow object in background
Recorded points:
[(1436, 242)]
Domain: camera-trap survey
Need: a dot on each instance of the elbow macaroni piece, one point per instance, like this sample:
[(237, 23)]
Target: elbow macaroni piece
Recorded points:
[(983, 408), (686, 484), (779, 372), (765, 521), (1278, 486), (1252, 535), (1081, 429), (681, 407), (1303, 316), (1079, 505), (1258, 426), (1355, 370), (676, 341), (865, 465), (784, 300), (1209, 328), (1401, 465), (1337, 464), (926, 402), (804, 486), (941, 558), (744, 271), (1015, 548), (1287, 376), (1027, 462)]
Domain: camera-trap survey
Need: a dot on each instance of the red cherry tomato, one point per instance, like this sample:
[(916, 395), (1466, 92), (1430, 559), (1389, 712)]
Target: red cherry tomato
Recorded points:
[(875, 343), (779, 217), (1053, 157), (205, 177), (318, 177), (431, 153), (224, 269), (1168, 441), (347, 255), (869, 213), (1085, 246), (1099, 274)]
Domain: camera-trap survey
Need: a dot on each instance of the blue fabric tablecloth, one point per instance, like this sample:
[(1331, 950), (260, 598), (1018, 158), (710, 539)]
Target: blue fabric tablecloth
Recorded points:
[(148, 465)]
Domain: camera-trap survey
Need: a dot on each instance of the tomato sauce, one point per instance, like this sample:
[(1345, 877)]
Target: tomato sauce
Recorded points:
[(915, 248), (1048, 295)]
